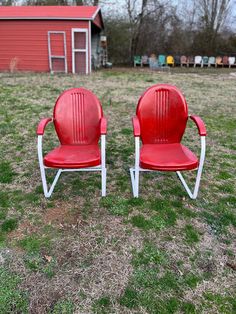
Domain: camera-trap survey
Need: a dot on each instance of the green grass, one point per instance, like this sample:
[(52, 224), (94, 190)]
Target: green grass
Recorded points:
[(9, 225), (12, 299), (6, 172), (159, 253), (34, 243), (63, 307), (191, 235)]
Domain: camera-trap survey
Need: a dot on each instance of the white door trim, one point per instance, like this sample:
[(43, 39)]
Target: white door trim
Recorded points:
[(79, 30)]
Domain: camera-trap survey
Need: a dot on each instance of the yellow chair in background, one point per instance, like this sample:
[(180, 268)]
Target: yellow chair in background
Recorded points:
[(170, 60)]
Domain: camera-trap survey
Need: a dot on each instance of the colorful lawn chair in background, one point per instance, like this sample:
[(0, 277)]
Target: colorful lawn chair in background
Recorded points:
[(190, 61), (160, 122), (232, 62), (183, 61), (153, 62), (197, 61), (170, 61), (137, 61), (218, 61), (225, 61), (79, 123), (144, 60), (211, 61), (177, 60), (162, 60), (205, 60)]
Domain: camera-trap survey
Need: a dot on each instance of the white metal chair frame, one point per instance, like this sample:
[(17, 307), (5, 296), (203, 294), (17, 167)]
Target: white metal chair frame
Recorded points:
[(134, 171), (102, 167)]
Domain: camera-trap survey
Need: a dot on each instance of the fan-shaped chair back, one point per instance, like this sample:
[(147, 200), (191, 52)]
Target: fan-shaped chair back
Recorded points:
[(231, 60), (163, 113), (177, 60), (218, 60), (205, 60), (191, 59), (225, 60), (162, 59), (170, 60), (198, 59), (77, 115), (183, 59), (212, 60)]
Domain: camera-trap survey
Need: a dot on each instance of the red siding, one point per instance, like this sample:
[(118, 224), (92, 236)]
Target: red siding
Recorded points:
[(98, 21), (28, 42)]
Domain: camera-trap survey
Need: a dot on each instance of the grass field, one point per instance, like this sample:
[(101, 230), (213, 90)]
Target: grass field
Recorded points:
[(78, 253)]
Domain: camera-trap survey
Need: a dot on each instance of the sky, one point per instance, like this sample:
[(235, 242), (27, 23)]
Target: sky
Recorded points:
[(118, 7)]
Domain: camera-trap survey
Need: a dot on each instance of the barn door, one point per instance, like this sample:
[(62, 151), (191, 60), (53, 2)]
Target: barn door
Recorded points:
[(57, 51), (80, 51)]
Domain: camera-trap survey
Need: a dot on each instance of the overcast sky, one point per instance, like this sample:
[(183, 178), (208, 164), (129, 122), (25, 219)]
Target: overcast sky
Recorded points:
[(117, 7)]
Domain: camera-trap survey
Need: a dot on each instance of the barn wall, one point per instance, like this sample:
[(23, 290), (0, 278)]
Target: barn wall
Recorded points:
[(26, 43)]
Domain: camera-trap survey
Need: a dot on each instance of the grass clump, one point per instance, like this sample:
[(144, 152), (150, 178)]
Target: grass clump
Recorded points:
[(116, 205), (102, 305), (12, 300), (191, 235), (34, 243), (63, 307), (9, 225), (6, 172)]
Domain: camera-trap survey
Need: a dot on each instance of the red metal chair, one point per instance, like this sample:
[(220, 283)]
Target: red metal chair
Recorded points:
[(79, 124), (160, 122)]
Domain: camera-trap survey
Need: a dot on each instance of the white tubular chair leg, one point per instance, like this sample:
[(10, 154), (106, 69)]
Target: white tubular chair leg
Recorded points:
[(199, 172), (132, 179), (42, 170), (134, 172), (103, 159)]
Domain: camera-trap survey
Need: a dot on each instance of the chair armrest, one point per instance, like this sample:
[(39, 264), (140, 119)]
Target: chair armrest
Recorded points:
[(136, 126), (200, 125), (103, 126), (42, 125)]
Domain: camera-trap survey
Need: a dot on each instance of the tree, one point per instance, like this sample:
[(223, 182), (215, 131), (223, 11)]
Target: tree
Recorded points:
[(213, 14)]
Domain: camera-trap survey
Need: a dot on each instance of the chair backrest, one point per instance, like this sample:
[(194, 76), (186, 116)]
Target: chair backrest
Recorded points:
[(183, 59), (137, 59), (145, 59), (205, 59), (191, 59), (198, 59), (225, 60), (177, 59), (163, 113), (218, 60), (162, 59), (170, 60), (153, 63), (212, 60), (77, 115), (231, 60)]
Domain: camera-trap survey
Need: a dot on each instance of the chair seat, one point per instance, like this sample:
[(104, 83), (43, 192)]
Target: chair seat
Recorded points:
[(73, 156), (167, 157)]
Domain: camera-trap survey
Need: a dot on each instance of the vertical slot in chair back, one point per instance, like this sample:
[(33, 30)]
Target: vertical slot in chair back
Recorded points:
[(77, 115), (163, 114)]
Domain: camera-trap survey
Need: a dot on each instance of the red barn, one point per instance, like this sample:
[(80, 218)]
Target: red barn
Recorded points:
[(50, 38)]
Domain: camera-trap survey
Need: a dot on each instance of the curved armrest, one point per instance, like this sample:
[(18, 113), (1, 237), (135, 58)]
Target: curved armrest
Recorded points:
[(136, 126), (42, 125), (200, 125), (103, 126)]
